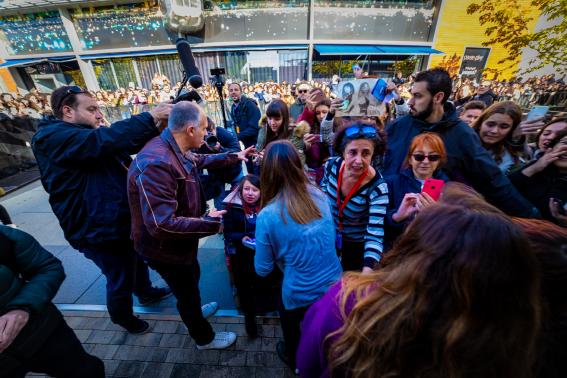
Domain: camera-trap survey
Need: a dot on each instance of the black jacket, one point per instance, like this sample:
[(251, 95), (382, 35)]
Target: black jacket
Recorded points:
[(29, 279), (540, 187), (84, 172), (229, 143), (246, 117), (467, 160)]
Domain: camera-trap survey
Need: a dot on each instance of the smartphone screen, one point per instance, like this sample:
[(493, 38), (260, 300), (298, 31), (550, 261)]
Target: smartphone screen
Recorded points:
[(537, 112)]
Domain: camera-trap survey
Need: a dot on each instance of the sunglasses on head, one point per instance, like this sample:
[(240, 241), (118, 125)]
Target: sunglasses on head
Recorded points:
[(74, 90), (422, 157), (360, 131)]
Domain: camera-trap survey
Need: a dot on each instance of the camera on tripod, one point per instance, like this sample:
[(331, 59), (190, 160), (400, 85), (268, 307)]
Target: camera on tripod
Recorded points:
[(217, 78)]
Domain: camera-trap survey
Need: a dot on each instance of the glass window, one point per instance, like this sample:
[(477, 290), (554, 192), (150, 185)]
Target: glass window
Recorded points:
[(130, 25), (103, 72), (34, 33), (389, 20), (233, 20)]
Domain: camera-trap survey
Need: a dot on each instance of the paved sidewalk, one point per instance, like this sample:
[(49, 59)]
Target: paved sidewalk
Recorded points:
[(168, 351)]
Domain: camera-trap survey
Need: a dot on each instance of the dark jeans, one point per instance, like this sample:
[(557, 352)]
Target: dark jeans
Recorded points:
[(126, 274), (184, 282), (61, 356), (291, 329), (352, 255)]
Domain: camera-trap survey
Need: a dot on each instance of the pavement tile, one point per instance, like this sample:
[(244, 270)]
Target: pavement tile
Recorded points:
[(172, 340), (271, 321), (83, 334), (180, 355), (157, 370), (232, 358), (206, 357), (165, 327), (100, 337), (237, 328), (147, 339), (229, 319), (266, 330), (119, 338), (110, 367), (269, 344), (270, 372), (185, 371), (215, 372), (130, 369), (181, 329), (265, 359), (94, 323), (189, 343), (248, 344), (140, 353), (104, 352), (242, 372)]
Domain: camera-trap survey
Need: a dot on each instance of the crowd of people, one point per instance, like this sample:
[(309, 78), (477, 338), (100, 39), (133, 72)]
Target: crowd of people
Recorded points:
[(425, 242)]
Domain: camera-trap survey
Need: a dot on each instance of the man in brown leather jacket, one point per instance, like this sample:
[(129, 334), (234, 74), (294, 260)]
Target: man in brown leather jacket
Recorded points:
[(168, 213)]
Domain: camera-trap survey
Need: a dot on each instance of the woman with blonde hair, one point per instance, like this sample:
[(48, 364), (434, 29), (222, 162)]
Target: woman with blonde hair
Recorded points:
[(458, 296)]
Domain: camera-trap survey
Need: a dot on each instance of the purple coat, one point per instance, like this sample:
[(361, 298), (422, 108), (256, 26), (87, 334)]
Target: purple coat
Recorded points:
[(322, 319)]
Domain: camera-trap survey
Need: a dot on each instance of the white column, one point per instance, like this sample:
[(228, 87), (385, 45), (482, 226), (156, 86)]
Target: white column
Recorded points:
[(137, 73), (310, 51), (89, 75)]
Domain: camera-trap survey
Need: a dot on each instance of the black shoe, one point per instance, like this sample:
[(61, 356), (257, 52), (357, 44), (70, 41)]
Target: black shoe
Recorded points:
[(155, 294), (251, 326), (135, 325)]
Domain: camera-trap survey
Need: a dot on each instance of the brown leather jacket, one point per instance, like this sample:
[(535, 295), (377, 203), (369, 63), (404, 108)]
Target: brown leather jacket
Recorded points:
[(167, 200)]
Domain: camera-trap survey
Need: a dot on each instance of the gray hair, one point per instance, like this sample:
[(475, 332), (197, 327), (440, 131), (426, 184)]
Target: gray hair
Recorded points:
[(184, 114)]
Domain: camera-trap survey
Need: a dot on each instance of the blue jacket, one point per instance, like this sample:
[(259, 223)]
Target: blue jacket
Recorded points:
[(305, 253), (84, 172), (398, 186), (467, 160), (246, 117)]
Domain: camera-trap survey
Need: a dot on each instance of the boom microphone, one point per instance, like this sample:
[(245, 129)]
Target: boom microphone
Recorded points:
[(188, 62)]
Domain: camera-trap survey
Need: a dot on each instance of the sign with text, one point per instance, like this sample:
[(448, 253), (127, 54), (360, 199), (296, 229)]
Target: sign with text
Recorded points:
[(474, 61)]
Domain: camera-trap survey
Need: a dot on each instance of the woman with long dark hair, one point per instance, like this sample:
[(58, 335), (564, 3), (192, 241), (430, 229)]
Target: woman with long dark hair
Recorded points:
[(458, 296), (495, 127), (295, 231)]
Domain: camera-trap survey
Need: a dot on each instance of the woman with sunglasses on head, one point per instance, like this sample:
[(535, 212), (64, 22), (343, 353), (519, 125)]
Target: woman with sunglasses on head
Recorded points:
[(358, 195), (295, 231), (496, 127), (426, 156)]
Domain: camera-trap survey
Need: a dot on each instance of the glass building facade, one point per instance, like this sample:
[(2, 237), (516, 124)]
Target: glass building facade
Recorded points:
[(126, 44)]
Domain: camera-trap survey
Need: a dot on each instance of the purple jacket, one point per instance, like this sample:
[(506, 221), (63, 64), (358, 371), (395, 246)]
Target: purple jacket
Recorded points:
[(167, 200), (322, 319)]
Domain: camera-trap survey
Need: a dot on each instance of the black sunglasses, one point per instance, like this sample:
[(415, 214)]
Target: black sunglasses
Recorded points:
[(422, 157), (302, 91)]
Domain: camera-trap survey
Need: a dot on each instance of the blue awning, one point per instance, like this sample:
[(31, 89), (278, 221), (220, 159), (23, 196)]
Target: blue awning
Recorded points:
[(375, 50), (31, 61), (129, 53), (251, 48)]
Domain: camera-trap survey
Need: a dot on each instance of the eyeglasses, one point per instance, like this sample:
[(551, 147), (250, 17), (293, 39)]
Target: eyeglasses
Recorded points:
[(302, 91), (360, 131), (74, 90), (422, 157)]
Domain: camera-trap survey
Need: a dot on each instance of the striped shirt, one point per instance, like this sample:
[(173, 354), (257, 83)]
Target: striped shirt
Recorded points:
[(363, 216)]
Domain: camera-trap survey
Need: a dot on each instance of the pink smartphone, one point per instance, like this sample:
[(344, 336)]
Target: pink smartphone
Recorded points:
[(433, 188)]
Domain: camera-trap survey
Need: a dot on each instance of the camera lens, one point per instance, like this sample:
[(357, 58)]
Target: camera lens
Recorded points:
[(211, 140)]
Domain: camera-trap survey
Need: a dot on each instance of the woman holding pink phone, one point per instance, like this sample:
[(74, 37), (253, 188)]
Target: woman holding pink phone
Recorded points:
[(417, 186)]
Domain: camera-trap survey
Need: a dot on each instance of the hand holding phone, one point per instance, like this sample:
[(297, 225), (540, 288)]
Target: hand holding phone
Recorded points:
[(537, 112)]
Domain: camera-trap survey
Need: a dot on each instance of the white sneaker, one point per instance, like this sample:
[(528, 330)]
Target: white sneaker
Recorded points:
[(222, 340), (209, 309)]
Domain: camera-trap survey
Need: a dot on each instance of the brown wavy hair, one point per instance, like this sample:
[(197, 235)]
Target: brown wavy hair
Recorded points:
[(456, 297), (283, 178)]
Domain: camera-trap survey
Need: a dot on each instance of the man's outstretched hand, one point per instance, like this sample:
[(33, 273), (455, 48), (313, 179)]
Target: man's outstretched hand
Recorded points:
[(243, 155)]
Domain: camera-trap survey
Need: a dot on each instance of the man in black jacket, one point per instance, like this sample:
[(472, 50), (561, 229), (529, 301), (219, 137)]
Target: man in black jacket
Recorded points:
[(245, 117), (33, 334), (84, 168), (467, 160)]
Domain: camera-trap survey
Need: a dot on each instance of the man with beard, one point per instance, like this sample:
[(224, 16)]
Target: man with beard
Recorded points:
[(467, 160), (245, 117)]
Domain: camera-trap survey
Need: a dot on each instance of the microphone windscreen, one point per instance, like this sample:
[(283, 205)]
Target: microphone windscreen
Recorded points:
[(188, 62)]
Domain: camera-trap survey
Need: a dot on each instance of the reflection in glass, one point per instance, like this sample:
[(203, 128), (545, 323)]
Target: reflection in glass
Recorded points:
[(34, 33), (130, 25), (378, 20)]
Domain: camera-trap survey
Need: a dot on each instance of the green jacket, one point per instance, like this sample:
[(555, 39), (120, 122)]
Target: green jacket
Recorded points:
[(29, 279)]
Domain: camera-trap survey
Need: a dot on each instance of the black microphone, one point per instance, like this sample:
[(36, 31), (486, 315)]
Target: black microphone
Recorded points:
[(186, 95), (188, 62)]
